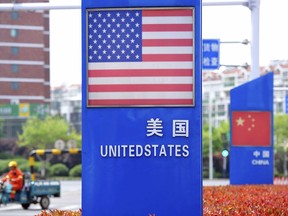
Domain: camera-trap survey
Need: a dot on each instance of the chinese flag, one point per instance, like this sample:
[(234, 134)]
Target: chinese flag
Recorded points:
[(251, 128)]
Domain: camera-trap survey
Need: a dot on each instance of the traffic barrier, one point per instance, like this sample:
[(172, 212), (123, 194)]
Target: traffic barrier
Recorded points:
[(48, 151)]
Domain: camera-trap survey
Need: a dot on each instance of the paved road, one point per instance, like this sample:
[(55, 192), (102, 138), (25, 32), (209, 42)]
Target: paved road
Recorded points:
[(70, 200), (215, 182)]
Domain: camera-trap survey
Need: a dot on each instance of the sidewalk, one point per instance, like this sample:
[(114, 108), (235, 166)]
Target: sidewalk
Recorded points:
[(215, 182)]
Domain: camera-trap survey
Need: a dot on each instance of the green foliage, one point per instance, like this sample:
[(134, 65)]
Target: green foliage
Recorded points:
[(281, 129), (1, 127), (22, 164), (5, 155), (59, 170), (4, 166), (217, 141), (76, 171), (38, 133), (25, 167), (205, 139)]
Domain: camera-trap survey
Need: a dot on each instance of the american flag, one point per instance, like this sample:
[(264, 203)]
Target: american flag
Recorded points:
[(140, 57)]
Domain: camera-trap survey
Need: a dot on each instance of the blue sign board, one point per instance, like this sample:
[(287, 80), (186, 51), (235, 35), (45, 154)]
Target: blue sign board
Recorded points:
[(286, 106), (211, 56), (141, 108), (251, 123)]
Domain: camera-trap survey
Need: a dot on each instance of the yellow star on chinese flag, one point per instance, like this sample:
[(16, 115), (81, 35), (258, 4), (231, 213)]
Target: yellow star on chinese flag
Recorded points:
[(240, 121)]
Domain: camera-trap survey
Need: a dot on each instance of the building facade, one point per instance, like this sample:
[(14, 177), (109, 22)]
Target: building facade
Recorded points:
[(217, 85), (24, 65), (66, 102)]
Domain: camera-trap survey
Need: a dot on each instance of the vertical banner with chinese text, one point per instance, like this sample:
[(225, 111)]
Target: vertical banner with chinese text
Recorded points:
[(251, 120), (141, 108)]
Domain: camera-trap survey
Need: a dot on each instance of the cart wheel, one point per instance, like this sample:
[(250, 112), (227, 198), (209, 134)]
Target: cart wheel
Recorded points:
[(25, 205), (44, 202)]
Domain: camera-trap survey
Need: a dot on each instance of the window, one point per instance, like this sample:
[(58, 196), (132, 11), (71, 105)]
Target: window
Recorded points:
[(217, 95), (206, 96), (279, 107), (14, 33), (15, 85), (221, 110), (15, 50), (229, 81), (15, 68)]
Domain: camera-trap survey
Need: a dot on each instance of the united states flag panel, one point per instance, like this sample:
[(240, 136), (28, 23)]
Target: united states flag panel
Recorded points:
[(140, 57)]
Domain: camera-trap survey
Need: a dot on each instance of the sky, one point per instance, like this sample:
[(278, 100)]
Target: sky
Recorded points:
[(226, 23)]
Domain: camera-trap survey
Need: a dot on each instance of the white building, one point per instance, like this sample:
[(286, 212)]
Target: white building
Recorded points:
[(216, 88), (216, 85), (66, 102)]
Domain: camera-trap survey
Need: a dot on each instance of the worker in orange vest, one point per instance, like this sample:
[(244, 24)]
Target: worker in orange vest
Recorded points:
[(15, 177)]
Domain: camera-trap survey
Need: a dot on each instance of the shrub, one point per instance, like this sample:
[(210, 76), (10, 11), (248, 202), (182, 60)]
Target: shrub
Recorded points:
[(59, 170), (76, 171), (24, 167), (4, 167), (22, 163), (5, 155)]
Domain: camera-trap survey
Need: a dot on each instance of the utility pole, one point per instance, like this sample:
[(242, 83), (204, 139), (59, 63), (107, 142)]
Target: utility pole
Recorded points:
[(254, 7), (210, 107)]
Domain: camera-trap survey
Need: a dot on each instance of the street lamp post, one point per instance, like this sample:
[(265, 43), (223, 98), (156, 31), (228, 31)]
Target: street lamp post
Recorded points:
[(210, 138), (254, 7)]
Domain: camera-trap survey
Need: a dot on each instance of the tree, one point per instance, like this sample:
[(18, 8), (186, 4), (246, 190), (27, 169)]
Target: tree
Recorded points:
[(217, 144), (281, 142), (280, 129), (38, 133), (216, 137)]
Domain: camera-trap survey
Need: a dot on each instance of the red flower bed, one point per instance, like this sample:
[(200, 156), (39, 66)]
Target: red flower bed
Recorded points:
[(56, 212), (245, 200)]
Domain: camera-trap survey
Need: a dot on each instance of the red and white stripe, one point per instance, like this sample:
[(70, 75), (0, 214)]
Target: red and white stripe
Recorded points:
[(165, 75)]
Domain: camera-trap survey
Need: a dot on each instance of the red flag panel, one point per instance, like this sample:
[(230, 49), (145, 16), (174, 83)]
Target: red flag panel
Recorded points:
[(251, 128)]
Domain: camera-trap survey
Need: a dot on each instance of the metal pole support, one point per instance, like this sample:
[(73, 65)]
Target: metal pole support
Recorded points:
[(254, 7)]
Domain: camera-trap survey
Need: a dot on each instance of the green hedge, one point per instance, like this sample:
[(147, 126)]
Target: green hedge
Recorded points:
[(4, 166), (21, 164), (26, 168), (5, 155), (76, 171), (58, 170)]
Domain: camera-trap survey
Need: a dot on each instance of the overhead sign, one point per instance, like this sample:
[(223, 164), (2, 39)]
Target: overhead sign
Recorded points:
[(251, 120), (211, 54), (141, 108)]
